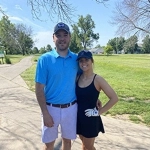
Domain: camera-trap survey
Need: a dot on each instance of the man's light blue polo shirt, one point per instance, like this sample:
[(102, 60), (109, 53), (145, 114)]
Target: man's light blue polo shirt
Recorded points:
[(58, 74)]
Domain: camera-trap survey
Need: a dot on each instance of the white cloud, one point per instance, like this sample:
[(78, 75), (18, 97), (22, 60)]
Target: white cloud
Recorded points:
[(27, 22), (18, 7), (32, 24), (43, 38), (15, 18)]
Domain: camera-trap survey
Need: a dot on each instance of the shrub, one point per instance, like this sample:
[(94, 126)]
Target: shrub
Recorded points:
[(7, 60)]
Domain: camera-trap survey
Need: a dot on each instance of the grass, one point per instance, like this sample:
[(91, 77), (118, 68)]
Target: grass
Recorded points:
[(15, 58), (29, 74), (129, 75)]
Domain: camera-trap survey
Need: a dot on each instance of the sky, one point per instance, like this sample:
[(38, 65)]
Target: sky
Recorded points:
[(19, 11)]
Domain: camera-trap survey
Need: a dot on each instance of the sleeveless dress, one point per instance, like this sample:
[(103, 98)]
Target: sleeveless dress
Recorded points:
[(87, 97)]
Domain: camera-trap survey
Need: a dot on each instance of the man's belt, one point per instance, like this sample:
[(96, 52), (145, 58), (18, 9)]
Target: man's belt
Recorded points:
[(62, 105)]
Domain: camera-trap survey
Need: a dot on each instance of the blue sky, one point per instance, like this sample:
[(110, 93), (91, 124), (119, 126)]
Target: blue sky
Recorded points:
[(20, 12)]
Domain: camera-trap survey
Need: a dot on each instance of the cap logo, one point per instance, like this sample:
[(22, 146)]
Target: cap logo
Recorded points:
[(61, 25)]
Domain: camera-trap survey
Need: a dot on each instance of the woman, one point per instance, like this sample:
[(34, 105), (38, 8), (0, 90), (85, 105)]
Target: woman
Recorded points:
[(88, 87)]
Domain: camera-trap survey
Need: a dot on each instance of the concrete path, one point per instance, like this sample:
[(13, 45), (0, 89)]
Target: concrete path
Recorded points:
[(20, 119)]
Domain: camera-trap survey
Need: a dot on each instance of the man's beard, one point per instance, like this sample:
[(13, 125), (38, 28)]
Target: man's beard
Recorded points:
[(64, 48)]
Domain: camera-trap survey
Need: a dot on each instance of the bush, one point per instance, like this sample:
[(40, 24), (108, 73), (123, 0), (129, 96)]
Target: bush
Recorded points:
[(7, 60)]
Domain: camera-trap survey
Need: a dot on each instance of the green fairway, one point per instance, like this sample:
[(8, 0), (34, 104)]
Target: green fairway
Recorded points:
[(129, 75)]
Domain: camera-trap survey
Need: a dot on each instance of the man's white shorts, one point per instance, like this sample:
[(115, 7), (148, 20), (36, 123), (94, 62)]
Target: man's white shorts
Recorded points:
[(66, 118)]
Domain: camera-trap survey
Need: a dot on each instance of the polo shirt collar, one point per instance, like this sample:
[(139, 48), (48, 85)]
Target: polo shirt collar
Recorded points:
[(57, 55)]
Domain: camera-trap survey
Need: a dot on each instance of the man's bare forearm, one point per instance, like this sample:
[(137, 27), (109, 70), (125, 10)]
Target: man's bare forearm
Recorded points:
[(41, 97)]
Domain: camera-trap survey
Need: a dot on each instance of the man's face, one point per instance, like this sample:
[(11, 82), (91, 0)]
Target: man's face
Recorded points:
[(61, 39)]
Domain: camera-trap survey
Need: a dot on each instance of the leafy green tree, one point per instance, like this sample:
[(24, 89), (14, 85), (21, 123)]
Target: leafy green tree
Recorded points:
[(117, 44), (108, 49), (42, 50), (113, 42), (16, 39), (120, 43), (24, 38), (35, 50), (75, 44), (48, 48), (6, 30), (84, 31), (146, 44), (130, 45)]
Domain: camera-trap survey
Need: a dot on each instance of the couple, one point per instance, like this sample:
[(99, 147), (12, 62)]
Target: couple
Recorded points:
[(69, 99)]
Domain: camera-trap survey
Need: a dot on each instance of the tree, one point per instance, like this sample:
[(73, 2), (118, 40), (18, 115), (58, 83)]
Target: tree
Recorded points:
[(16, 39), (117, 44), (112, 43), (132, 17), (75, 44), (3, 12), (35, 50), (48, 48), (59, 9), (130, 45), (54, 8), (6, 30), (84, 31), (108, 49), (23, 38), (42, 50), (120, 43), (146, 44)]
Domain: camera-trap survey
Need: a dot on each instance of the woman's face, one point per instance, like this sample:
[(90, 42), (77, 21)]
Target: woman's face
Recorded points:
[(85, 64)]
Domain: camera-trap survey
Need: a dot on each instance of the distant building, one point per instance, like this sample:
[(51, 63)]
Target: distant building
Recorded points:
[(97, 50), (120, 52), (139, 48)]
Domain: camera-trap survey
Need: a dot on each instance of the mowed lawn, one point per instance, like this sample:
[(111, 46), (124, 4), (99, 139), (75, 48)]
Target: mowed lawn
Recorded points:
[(15, 58), (129, 75)]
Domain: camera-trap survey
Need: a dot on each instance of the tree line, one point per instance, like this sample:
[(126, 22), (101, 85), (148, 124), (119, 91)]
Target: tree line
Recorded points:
[(83, 37), (15, 38), (130, 16), (130, 45)]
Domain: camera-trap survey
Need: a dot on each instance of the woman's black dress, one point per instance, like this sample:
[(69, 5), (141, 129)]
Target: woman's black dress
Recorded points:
[(87, 97)]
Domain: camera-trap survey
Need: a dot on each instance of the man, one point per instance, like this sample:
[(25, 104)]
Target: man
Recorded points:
[(55, 90)]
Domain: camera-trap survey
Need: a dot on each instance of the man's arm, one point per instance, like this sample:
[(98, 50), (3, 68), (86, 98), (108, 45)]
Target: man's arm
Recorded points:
[(47, 118)]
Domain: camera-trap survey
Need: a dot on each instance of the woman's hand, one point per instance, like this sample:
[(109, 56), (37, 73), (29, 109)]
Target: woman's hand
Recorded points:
[(92, 112), (99, 104)]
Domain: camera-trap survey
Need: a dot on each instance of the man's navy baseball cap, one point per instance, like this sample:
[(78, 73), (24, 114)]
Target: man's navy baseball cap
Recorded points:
[(84, 54), (61, 26)]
